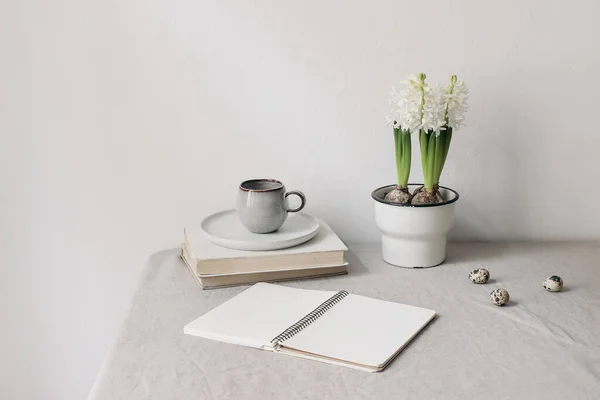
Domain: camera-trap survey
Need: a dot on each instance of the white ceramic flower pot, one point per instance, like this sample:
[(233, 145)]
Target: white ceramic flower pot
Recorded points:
[(414, 236)]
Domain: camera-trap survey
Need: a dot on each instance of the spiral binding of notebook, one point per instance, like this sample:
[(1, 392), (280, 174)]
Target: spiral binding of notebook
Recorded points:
[(309, 318)]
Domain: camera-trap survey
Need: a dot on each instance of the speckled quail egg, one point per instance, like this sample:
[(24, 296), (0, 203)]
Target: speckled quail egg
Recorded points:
[(500, 297), (553, 283), (479, 275)]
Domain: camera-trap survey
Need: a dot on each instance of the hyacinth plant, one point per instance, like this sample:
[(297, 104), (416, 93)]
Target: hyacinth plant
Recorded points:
[(433, 114)]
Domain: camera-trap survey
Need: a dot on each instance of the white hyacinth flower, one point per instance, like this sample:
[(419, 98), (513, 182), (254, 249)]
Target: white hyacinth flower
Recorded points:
[(434, 112), (412, 104), (454, 97), (395, 114), (417, 107)]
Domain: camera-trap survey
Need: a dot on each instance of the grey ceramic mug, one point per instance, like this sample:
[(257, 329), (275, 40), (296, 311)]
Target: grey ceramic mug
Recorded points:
[(262, 204)]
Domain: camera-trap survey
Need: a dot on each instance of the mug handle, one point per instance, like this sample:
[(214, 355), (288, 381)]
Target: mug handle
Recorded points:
[(302, 200)]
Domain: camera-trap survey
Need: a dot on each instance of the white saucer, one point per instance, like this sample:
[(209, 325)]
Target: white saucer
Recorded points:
[(225, 229)]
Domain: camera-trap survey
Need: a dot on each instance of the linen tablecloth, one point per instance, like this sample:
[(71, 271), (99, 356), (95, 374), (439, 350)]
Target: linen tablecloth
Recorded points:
[(541, 345)]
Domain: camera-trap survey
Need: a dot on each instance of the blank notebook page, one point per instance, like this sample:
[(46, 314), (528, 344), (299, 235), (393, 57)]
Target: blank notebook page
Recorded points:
[(362, 330), (257, 315)]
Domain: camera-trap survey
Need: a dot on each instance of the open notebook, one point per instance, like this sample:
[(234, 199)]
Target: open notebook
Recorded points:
[(333, 327)]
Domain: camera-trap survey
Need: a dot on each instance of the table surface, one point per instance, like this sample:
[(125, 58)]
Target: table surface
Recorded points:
[(541, 346)]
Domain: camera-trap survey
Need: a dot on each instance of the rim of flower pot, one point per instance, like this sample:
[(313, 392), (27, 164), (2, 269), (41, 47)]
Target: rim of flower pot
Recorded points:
[(381, 200)]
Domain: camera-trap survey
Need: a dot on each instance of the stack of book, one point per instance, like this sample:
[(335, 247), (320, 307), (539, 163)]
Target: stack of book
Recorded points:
[(214, 266)]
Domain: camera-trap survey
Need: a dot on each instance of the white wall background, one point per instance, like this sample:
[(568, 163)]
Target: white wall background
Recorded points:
[(122, 121)]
